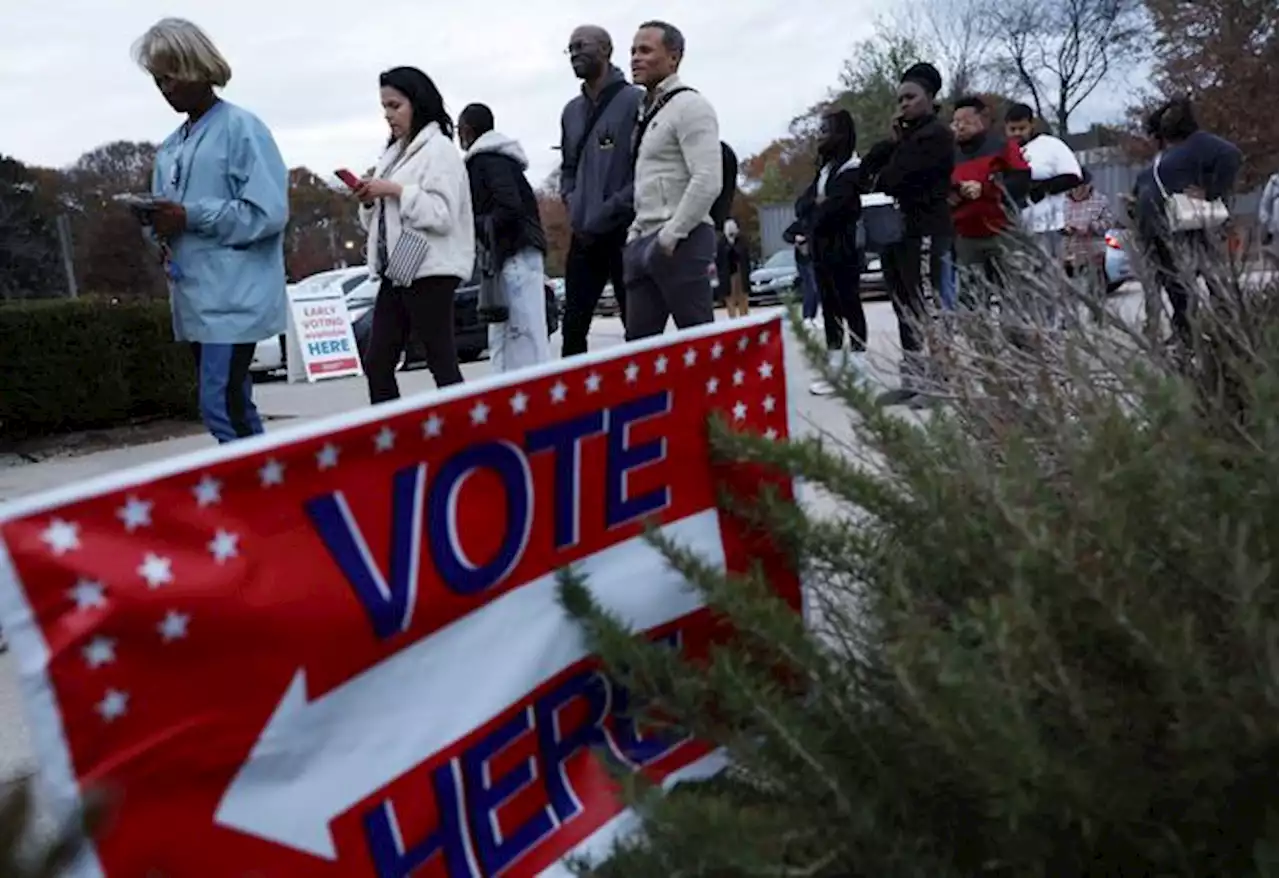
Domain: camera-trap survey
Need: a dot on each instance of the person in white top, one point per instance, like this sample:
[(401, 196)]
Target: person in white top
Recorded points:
[(417, 209), (1055, 171), (1268, 214)]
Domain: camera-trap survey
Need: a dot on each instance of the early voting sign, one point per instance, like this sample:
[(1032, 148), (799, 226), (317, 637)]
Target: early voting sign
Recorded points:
[(338, 650), (321, 342)]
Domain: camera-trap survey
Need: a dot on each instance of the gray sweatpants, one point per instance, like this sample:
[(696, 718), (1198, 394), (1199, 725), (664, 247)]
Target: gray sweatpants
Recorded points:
[(661, 286)]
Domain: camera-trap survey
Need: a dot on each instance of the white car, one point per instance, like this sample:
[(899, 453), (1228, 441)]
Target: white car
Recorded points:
[(359, 291)]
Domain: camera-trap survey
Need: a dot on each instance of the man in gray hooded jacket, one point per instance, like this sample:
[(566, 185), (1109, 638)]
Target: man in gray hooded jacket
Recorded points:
[(595, 180)]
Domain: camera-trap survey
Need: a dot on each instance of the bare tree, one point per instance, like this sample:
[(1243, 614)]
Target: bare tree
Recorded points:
[(1060, 51), (960, 37)]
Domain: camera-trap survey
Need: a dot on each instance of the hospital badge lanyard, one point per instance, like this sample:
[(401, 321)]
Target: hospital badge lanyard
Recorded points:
[(172, 270)]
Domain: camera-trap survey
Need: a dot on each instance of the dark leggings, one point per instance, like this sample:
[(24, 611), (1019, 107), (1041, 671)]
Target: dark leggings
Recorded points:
[(1179, 260), (902, 276), (838, 287), (425, 310)]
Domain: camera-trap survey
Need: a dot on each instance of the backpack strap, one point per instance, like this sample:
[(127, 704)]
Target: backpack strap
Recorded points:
[(647, 118), (606, 97)]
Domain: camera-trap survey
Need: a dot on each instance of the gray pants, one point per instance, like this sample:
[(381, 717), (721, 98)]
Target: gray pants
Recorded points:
[(661, 286), (980, 269)]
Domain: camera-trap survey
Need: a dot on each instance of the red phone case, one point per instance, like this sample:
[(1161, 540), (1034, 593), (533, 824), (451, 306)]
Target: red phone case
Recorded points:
[(347, 177)]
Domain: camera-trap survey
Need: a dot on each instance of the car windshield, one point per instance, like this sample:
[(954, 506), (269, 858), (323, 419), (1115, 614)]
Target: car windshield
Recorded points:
[(781, 259)]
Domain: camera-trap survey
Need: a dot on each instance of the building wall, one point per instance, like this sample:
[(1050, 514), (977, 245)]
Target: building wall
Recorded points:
[(774, 219)]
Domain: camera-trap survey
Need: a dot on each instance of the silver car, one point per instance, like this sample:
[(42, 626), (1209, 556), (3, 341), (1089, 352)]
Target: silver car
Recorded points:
[(774, 281)]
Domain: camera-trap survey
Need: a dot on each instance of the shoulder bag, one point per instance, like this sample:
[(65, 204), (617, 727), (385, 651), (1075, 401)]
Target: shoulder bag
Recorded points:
[(1184, 213), (647, 119), (606, 97), (881, 225), (492, 305), (401, 266)]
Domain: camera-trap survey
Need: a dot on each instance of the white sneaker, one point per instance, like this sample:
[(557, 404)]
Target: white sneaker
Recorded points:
[(861, 371), (835, 363)]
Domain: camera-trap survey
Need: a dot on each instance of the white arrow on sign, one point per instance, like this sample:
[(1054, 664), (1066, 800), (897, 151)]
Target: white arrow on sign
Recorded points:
[(316, 759)]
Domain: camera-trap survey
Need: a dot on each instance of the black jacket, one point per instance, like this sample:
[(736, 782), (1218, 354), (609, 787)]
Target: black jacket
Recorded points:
[(500, 191), (916, 170), (833, 224), (723, 205)]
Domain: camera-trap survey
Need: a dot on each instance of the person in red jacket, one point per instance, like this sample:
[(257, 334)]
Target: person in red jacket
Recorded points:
[(990, 180)]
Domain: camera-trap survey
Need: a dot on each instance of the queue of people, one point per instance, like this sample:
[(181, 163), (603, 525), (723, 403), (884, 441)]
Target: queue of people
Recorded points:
[(648, 185), (977, 195), (643, 176)]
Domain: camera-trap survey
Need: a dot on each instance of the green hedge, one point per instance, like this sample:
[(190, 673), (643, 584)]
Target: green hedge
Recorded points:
[(74, 365)]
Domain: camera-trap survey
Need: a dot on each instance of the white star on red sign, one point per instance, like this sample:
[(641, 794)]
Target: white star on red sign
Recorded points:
[(690, 357), (224, 546), (632, 372), (174, 626), (385, 440), (713, 384), (432, 426), (716, 350), (743, 342), (99, 651), (593, 382), (558, 392), (766, 370), (87, 594), (660, 365), (208, 491), (771, 434), (61, 536), (135, 513), (156, 570), (327, 457), (272, 473), (520, 403), (739, 411), (479, 413), (764, 336), (114, 705), (738, 377), (769, 403)]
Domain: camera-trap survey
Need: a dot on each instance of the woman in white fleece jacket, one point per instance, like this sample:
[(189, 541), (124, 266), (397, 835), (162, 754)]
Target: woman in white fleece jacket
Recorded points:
[(418, 200)]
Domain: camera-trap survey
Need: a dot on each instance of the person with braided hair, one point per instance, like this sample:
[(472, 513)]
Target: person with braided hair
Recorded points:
[(913, 166)]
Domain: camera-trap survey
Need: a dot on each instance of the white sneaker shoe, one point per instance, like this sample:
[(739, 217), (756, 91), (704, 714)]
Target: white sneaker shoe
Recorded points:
[(861, 371), (836, 362)]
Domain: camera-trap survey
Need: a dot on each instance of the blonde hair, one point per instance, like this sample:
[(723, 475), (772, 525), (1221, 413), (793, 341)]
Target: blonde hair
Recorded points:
[(177, 48)]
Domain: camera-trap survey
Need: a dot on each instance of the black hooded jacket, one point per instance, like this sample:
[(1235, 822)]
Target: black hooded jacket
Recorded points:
[(916, 170), (501, 192)]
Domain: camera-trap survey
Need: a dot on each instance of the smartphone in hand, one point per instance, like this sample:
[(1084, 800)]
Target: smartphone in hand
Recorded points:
[(350, 179), (143, 206)]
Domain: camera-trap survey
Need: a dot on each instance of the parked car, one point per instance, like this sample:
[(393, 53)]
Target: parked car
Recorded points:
[(360, 292), (471, 335), (775, 279), (1115, 264), (270, 355)]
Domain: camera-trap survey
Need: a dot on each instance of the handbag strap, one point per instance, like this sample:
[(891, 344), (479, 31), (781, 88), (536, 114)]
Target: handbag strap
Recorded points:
[(647, 118), (602, 104), (1155, 172)]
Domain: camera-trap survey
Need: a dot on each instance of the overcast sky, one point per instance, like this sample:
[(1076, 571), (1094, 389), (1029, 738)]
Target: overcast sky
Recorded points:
[(309, 69)]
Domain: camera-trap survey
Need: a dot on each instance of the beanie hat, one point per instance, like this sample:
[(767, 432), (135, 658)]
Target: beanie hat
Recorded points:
[(924, 75)]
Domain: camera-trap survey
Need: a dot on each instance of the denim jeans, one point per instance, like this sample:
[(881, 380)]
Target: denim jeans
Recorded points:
[(808, 290)]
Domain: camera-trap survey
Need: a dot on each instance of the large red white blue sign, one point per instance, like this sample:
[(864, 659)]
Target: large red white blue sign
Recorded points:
[(338, 650)]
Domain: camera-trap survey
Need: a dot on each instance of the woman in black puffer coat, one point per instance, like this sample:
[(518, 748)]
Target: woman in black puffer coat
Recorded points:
[(914, 167)]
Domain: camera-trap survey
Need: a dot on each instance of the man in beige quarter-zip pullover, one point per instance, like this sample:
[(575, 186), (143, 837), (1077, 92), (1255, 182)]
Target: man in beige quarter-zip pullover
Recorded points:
[(678, 175)]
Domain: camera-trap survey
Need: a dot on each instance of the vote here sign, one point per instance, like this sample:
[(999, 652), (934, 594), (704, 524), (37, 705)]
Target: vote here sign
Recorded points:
[(338, 651)]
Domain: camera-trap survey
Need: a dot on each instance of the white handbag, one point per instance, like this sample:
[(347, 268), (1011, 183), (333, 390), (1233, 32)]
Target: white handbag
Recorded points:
[(1183, 213)]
